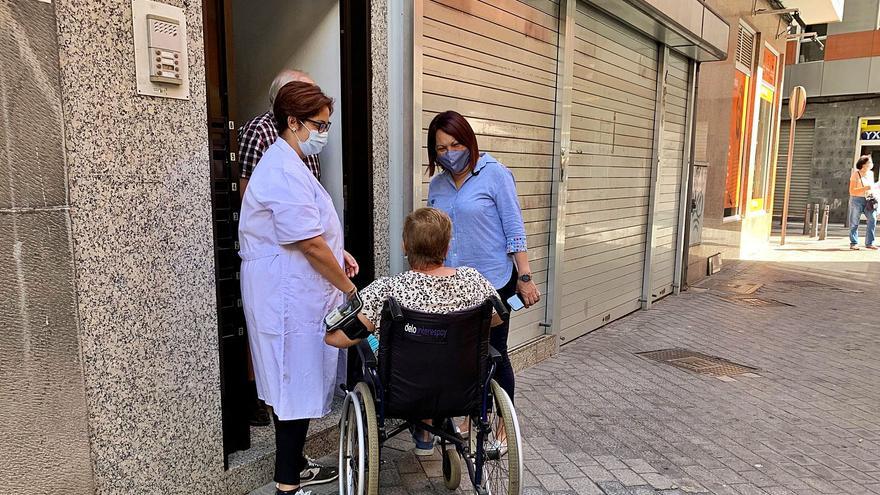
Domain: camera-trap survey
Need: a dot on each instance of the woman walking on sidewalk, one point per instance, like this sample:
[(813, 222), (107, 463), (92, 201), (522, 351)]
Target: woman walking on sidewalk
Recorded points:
[(862, 189)]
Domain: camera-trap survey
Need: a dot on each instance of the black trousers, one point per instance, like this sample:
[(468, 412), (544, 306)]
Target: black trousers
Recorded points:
[(498, 340), (290, 439)]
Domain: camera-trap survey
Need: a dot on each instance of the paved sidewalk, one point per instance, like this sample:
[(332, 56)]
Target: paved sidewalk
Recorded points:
[(598, 419)]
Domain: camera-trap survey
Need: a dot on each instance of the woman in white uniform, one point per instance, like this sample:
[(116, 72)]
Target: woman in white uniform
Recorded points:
[(294, 271)]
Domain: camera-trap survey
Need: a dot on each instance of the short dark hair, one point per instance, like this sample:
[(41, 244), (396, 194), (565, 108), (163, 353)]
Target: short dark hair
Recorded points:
[(426, 236), (862, 161), (299, 100), (452, 123)]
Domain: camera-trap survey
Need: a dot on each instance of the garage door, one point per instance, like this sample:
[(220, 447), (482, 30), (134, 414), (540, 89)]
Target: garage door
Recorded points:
[(801, 168), (609, 173), (668, 193), (495, 63)]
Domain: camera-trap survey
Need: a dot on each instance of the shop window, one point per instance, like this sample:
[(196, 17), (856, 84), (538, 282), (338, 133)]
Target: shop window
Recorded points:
[(764, 141), (739, 120), (766, 122), (736, 144)]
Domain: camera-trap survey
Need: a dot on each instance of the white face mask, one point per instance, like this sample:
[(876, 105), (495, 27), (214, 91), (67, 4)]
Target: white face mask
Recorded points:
[(314, 143)]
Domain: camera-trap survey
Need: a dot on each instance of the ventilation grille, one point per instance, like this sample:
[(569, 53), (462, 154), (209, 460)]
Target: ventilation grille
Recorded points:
[(745, 49)]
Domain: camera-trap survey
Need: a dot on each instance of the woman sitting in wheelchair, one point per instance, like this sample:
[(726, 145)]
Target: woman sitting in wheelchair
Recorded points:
[(429, 287)]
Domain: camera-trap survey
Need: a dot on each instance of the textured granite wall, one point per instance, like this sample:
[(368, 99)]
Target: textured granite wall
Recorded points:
[(380, 136), (42, 400), (834, 147), (141, 218)]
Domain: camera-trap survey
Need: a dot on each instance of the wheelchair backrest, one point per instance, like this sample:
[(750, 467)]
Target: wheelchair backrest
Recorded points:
[(433, 365)]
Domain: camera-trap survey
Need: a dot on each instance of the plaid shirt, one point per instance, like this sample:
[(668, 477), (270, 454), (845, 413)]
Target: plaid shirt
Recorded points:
[(255, 137)]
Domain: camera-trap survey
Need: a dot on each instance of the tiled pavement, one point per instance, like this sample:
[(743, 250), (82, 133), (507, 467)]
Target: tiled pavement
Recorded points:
[(598, 419)]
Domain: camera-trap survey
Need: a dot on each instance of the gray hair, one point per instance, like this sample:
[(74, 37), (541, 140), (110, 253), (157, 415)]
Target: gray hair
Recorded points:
[(283, 78)]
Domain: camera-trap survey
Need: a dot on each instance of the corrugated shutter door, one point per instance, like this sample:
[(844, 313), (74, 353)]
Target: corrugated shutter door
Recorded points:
[(495, 63), (801, 168), (615, 79), (669, 181)]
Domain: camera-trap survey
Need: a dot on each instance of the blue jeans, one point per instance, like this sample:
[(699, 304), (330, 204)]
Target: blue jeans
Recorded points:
[(856, 208)]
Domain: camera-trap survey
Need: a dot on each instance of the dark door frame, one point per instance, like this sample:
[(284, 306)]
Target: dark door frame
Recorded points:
[(357, 187), (225, 206), (357, 150)]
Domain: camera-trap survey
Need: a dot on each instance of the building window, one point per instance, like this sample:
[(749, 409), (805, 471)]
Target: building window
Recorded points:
[(810, 50)]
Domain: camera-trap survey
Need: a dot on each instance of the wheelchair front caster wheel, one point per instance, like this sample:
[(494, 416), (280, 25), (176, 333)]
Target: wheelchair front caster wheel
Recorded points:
[(451, 469)]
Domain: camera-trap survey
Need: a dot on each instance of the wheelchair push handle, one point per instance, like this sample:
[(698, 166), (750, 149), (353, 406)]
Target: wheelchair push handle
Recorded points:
[(500, 308)]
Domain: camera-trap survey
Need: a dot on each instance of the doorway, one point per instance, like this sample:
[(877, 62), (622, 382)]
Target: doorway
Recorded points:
[(246, 45)]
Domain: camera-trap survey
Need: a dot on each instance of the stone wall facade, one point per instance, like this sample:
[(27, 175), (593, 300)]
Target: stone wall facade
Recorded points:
[(43, 414)]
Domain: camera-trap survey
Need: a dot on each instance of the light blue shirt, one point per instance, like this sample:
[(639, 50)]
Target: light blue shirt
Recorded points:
[(487, 224)]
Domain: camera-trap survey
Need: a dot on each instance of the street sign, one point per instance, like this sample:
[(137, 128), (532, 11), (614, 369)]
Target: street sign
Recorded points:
[(797, 103)]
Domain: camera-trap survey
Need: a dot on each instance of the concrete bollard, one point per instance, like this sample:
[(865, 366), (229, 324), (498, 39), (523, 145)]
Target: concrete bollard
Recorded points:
[(807, 217), (823, 229)]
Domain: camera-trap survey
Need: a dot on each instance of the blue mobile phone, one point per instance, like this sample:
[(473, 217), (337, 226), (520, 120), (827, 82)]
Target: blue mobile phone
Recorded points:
[(515, 302)]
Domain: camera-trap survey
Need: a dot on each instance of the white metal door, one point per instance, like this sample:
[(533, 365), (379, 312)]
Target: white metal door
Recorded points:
[(668, 193), (495, 63), (801, 168), (609, 172)]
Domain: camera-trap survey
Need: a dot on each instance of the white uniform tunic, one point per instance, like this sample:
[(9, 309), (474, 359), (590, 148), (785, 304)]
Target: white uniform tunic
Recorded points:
[(284, 298)]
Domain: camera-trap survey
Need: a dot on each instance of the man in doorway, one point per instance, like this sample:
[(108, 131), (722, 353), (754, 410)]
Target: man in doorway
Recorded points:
[(257, 134)]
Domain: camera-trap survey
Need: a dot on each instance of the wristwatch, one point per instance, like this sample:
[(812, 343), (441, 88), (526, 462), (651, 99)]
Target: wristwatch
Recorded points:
[(525, 277)]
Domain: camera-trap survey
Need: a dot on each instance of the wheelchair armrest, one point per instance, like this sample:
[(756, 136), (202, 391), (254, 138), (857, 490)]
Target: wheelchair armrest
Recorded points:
[(500, 308), (494, 354), (366, 354)]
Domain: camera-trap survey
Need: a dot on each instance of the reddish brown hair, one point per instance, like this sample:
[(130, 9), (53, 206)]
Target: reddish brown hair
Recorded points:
[(299, 100), (426, 236), (452, 123)]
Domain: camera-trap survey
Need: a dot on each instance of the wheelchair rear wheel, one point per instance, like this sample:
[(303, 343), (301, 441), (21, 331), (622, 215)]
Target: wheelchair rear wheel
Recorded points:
[(359, 444), (503, 456)]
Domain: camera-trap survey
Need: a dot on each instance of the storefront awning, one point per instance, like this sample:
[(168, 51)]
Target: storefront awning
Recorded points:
[(688, 26)]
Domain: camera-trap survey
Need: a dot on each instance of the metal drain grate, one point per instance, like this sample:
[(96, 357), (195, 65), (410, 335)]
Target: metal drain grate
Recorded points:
[(757, 302), (803, 283), (697, 362), (812, 284), (738, 287)]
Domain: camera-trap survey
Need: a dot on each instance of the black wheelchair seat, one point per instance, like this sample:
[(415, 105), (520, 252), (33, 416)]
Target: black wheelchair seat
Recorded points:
[(437, 367), (433, 365)]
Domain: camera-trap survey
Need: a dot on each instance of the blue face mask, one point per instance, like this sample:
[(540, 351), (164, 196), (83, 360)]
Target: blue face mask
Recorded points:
[(314, 143), (455, 161)]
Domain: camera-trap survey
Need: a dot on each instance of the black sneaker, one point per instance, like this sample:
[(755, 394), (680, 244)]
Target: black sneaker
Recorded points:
[(316, 474)]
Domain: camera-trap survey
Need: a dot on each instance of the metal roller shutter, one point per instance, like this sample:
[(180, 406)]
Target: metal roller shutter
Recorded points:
[(495, 63), (801, 168), (668, 193), (609, 173)]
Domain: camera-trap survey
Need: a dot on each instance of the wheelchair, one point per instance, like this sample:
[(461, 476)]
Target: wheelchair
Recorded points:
[(431, 366)]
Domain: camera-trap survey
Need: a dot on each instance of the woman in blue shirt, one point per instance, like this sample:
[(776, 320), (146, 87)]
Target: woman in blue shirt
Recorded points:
[(479, 195)]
